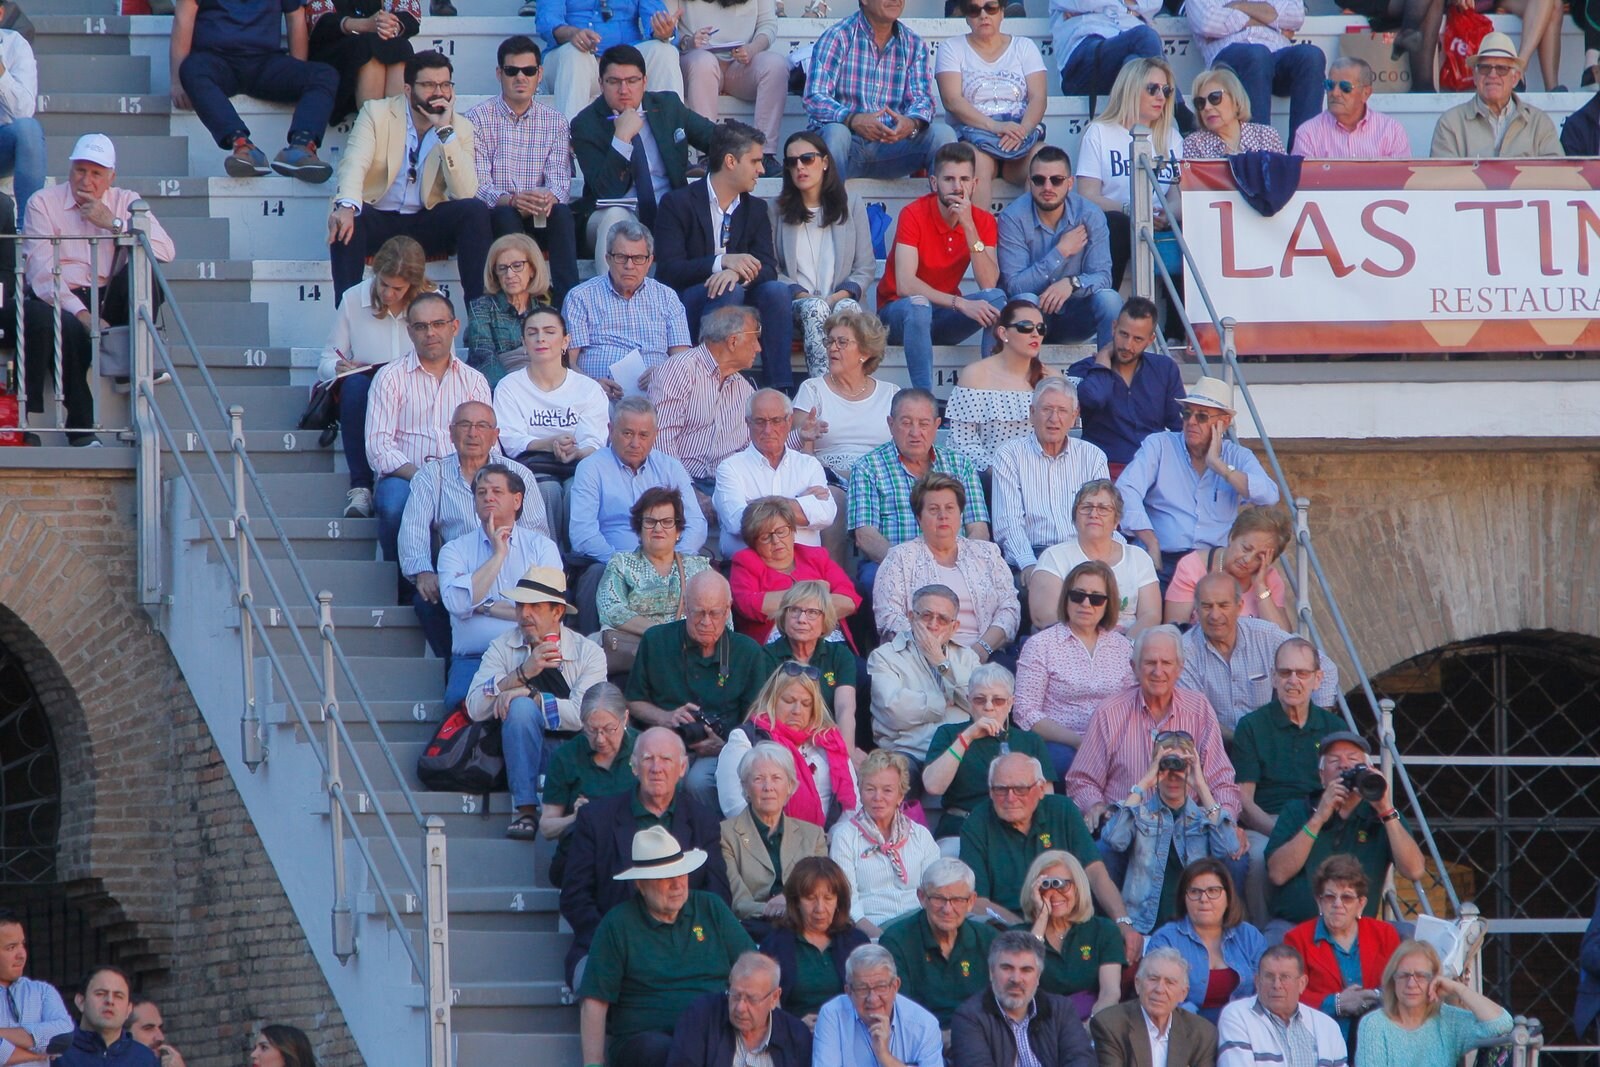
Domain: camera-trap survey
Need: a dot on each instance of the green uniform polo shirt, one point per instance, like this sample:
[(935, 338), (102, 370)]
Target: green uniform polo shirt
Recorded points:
[(573, 773), (816, 981), (1361, 836), (938, 982), (970, 786), (1000, 856), (1278, 756), (833, 658), (1076, 967), (670, 672), (650, 971)]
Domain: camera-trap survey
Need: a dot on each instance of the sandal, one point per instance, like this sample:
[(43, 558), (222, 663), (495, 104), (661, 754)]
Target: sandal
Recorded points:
[(523, 828)]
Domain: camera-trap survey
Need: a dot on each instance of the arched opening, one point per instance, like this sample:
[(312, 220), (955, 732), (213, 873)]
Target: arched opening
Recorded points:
[(1502, 741)]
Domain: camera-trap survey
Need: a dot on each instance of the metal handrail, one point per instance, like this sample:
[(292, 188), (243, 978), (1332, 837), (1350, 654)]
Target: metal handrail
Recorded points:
[(152, 429), (1147, 194)]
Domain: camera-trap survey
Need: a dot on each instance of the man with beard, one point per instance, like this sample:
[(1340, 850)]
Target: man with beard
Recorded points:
[(1126, 393), (1012, 1021)]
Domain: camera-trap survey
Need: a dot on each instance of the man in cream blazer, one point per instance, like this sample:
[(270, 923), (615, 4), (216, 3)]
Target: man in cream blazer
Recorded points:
[(408, 169)]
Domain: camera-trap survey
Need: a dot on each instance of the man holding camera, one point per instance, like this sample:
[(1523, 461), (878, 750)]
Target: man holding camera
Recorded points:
[(1352, 815)]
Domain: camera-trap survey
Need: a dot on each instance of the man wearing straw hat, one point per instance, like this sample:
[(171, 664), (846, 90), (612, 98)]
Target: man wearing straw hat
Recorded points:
[(533, 679), (1496, 123), (654, 955)]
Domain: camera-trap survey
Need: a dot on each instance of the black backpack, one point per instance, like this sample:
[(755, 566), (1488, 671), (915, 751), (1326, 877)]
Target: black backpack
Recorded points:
[(463, 757)]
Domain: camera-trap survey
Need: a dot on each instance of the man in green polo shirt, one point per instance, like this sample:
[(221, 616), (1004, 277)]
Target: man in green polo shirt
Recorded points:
[(1275, 757), (939, 954), (1311, 829), (1019, 820), (699, 677), (653, 955)]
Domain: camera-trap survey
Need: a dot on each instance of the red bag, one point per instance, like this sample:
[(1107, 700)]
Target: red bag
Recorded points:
[(9, 416), (1464, 31)]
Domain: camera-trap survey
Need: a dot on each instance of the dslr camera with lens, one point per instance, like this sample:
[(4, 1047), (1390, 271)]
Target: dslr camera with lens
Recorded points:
[(694, 731), (1363, 780)]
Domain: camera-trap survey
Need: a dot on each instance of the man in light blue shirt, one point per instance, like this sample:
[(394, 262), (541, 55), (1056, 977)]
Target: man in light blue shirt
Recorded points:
[(1183, 488), (870, 1025), (31, 1012)]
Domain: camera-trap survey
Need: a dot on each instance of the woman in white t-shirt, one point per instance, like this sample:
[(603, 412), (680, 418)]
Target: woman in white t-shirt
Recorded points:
[(993, 86), (1142, 94), (1096, 512)]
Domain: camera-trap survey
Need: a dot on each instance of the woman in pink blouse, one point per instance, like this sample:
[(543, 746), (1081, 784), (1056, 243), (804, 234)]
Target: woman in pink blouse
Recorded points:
[(1256, 540), (1224, 111), (1067, 670), (773, 563)]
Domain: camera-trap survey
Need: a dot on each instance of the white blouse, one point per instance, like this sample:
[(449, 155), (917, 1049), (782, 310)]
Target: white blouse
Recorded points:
[(875, 893), (981, 420), (855, 427), (362, 337)]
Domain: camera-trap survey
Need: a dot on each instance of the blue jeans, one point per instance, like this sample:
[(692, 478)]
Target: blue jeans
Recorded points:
[(1296, 72), (918, 325), (22, 155), (463, 665), (210, 78), (1117, 866), (522, 737), (1096, 313), (774, 306), (389, 502), (1092, 67), (353, 428), (1060, 759), (857, 157)]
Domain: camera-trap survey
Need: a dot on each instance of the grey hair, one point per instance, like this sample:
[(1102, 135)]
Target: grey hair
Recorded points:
[(603, 697), (936, 590), (724, 322), (679, 748), (1164, 954), (753, 962), (947, 870), (630, 230), (633, 405), (1055, 383), (868, 957), (1038, 769), (1362, 68), (768, 752), (992, 674), (1015, 943), (1167, 630), (750, 405)]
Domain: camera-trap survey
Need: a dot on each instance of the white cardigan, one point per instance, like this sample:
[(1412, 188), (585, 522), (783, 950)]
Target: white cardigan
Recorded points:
[(875, 893)]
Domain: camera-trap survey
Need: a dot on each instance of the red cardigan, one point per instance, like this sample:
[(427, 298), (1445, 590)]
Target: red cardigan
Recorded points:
[(752, 580), (1376, 941)]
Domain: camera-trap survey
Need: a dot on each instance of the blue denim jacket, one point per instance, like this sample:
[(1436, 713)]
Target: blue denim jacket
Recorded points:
[(1241, 951), (1144, 832)]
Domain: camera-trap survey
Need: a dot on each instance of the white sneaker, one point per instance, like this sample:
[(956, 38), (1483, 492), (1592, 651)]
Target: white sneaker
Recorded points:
[(358, 504)]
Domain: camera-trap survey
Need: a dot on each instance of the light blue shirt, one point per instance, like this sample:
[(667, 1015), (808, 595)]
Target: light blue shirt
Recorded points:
[(1029, 259), (1240, 684), (1161, 492), (604, 490), (1242, 947), (841, 1037), (471, 631), (39, 1011)]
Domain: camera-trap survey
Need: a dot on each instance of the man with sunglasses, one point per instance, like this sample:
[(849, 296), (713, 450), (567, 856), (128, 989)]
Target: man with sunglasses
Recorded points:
[(1496, 123), (1183, 488), (1349, 129), (1252, 38), (523, 152), (1055, 250)]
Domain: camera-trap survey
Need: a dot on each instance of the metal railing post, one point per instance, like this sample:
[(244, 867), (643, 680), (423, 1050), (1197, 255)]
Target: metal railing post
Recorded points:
[(436, 880), (1143, 219), (1302, 567), (145, 439), (344, 920), (1228, 355), (252, 749), (1472, 927), (20, 292), (57, 289)]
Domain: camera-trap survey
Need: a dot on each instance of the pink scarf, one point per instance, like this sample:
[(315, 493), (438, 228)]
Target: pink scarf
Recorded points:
[(806, 804), (888, 847)]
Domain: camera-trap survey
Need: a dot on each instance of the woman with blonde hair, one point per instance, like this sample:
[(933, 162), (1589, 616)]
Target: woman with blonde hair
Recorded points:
[(515, 278), (1224, 111), (790, 711), (882, 852), (1083, 952), (1429, 1019), (1144, 94), (807, 632)]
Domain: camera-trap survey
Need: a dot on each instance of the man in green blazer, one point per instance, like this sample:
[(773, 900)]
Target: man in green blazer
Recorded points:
[(628, 134)]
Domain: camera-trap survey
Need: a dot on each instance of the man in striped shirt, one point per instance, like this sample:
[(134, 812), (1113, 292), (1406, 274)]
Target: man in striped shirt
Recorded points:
[(31, 1012), (1036, 477), (1349, 129)]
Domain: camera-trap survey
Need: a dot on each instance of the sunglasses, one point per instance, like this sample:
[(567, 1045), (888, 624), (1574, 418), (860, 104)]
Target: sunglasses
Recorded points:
[(1055, 180), (791, 669), (1157, 89), (1024, 326), (1214, 97), (1170, 736), (1201, 417), (511, 70), (804, 159), (1329, 85), (974, 10), (1496, 70), (1083, 596)]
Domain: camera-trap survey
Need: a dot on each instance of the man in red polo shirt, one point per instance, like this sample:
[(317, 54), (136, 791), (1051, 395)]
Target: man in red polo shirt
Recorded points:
[(938, 236)]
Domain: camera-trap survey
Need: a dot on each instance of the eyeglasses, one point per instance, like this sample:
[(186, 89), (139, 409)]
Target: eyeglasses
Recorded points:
[(511, 70), (1097, 509), (972, 11), (1347, 898), (434, 87), (1496, 70), (935, 618), (1013, 790), (948, 902), (1157, 89), (1407, 977), (804, 159), (764, 424), (433, 326), (1083, 596), (806, 613), (624, 259), (625, 83), (876, 989), (670, 523), (1201, 417), (464, 426), (1056, 180), (749, 998), (602, 731), (1059, 885), (1024, 326), (1329, 85), (1302, 673), (838, 342), (1205, 892), (772, 537), (511, 268), (1214, 97)]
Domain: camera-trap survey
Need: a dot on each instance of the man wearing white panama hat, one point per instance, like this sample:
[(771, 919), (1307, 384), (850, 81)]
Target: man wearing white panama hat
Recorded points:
[(1496, 123), (654, 955), (1183, 488), (532, 683)]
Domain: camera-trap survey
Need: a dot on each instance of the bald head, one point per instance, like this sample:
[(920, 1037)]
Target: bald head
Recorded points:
[(1218, 584), (707, 600), (474, 431)]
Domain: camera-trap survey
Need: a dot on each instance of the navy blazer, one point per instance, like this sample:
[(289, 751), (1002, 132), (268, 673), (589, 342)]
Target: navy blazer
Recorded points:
[(686, 247), (705, 1038), (602, 846)]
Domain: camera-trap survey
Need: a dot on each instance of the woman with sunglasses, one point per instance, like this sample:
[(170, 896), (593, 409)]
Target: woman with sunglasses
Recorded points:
[(1096, 513), (1224, 110), (993, 402), (516, 279), (789, 710), (809, 635), (773, 563), (994, 87), (957, 768), (1222, 950), (823, 244), (1066, 670), (1083, 952), (1142, 95), (367, 42), (1429, 1019), (1345, 951), (1256, 540)]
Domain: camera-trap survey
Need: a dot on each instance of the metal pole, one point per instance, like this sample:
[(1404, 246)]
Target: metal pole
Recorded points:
[(20, 290), (96, 246), (56, 290), (145, 438), (250, 744), (436, 882), (1302, 567), (344, 921), (1143, 217), (1228, 354)]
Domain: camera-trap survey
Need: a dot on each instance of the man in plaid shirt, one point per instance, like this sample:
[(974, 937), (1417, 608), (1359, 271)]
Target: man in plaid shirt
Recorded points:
[(870, 97)]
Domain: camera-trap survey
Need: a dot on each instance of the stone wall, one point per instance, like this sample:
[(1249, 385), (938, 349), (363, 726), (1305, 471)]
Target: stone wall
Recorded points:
[(155, 841)]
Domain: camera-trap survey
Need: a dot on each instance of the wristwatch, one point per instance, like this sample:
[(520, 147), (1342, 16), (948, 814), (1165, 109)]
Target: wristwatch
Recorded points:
[(979, 246), (1126, 920), (445, 134)]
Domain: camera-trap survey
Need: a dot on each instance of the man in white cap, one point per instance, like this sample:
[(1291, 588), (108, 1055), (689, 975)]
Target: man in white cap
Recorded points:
[(1183, 488), (533, 679), (1496, 123), (654, 955), (85, 204)]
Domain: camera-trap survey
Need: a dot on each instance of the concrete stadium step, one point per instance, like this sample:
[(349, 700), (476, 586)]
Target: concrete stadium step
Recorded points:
[(229, 376), (511, 955), (74, 109), (467, 901), (382, 677), (490, 861), (86, 31), (396, 717), (266, 407), (196, 240), (351, 581), (97, 74), (315, 539), (498, 810), (270, 451), (305, 495), (512, 1048), (147, 154)]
